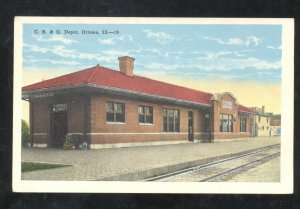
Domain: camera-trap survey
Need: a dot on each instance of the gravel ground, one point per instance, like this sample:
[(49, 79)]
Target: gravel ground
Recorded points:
[(266, 172)]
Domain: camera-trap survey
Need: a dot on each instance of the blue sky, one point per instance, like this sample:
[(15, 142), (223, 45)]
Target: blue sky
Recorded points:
[(202, 52)]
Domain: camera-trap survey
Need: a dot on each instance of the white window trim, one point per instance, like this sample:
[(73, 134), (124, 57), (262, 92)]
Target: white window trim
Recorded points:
[(115, 123), (146, 124)]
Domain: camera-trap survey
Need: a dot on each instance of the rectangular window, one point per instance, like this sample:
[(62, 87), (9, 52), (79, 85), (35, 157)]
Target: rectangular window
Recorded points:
[(115, 112), (226, 123), (243, 127), (59, 107), (171, 120), (227, 104), (145, 114)]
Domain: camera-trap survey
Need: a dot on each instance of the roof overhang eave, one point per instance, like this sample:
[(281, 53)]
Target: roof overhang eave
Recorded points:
[(248, 112), (88, 86)]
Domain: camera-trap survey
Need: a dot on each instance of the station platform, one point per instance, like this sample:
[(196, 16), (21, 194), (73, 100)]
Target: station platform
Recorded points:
[(134, 163)]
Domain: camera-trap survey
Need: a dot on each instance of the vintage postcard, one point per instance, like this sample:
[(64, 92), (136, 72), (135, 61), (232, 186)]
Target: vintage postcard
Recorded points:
[(153, 105)]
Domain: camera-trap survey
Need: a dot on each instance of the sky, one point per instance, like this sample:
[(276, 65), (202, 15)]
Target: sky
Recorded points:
[(242, 59)]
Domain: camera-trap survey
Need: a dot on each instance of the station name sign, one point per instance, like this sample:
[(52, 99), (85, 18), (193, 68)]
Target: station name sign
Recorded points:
[(37, 95)]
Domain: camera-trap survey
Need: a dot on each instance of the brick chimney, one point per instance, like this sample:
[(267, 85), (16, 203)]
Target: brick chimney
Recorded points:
[(263, 109), (126, 65)]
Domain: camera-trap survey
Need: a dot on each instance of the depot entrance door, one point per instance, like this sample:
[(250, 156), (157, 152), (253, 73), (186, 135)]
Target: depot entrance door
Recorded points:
[(58, 125)]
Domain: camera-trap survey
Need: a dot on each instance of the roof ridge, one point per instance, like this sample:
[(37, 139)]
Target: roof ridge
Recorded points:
[(106, 68), (92, 74), (183, 87)]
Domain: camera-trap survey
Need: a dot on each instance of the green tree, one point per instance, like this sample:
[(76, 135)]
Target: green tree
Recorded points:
[(25, 132)]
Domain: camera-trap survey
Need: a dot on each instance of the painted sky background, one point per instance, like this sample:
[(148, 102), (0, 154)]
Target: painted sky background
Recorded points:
[(242, 59)]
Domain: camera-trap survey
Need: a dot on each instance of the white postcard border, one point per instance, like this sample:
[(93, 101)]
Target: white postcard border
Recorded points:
[(286, 184)]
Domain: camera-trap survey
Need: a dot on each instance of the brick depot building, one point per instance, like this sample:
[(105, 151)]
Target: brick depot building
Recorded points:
[(108, 108)]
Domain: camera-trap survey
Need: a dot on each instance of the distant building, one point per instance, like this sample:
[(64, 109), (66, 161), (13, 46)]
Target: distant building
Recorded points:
[(101, 107), (263, 122), (275, 125)]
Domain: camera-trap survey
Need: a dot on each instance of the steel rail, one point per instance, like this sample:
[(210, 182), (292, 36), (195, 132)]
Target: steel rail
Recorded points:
[(227, 172)]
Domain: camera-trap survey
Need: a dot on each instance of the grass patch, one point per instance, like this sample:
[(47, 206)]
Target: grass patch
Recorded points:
[(32, 166)]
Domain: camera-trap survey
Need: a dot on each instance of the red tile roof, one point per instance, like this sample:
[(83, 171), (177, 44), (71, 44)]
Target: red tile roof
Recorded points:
[(110, 78), (242, 108)]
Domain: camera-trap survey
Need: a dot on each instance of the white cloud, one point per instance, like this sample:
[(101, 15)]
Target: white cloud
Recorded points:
[(108, 56), (59, 50), (98, 57), (113, 40), (221, 76), (213, 55), (275, 48), (235, 41), (55, 62), (171, 54), (263, 64), (125, 38), (220, 41), (64, 62), (106, 41), (153, 73), (63, 52), (253, 40), (227, 64), (62, 39), (161, 37), (157, 51), (36, 48), (167, 66), (116, 53), (54, 38), (222, 64), (265, 73), (249, 41)]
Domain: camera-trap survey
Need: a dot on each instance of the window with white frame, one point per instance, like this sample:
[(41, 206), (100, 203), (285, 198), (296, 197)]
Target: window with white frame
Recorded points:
[(226, 123), (59, 107), (171, 120), (115, 112), (243, 126), (145, 114), (227, 104)]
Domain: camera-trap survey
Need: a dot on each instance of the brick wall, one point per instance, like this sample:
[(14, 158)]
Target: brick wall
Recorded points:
[(41, 116), (219, 109), (131, 130), (101, 132)]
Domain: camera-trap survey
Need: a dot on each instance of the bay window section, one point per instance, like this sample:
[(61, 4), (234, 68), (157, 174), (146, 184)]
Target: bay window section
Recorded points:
[(226, 123)]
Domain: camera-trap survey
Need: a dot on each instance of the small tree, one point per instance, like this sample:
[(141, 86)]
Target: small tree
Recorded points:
[(25, 132)]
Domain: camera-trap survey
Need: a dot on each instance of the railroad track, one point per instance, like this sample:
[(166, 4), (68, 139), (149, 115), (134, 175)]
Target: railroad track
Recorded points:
[(217, 170)]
